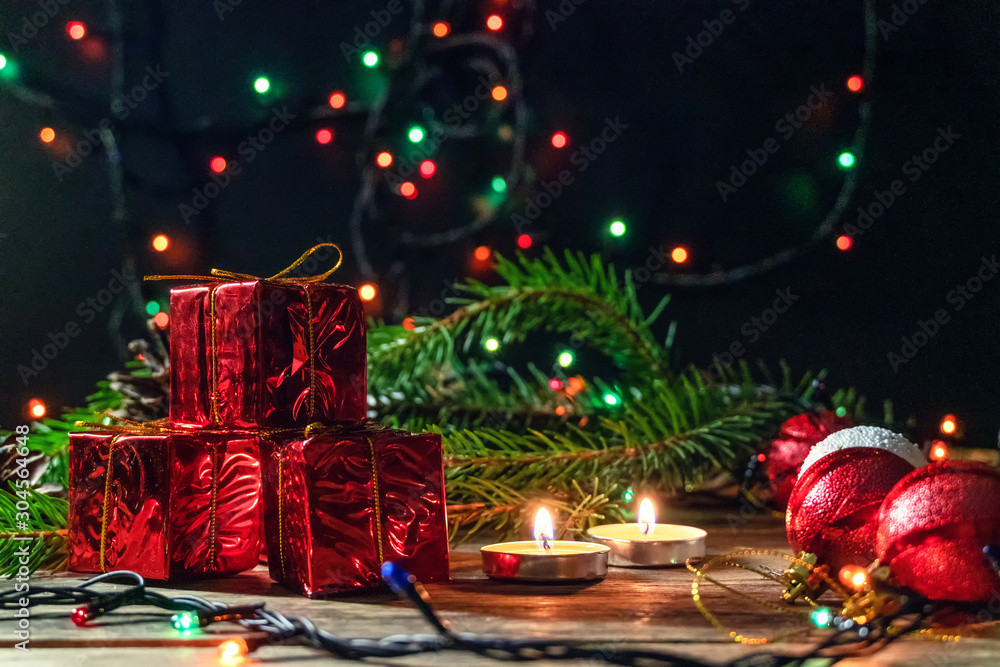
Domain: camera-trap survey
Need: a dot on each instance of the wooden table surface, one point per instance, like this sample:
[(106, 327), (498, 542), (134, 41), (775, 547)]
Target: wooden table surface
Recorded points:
[(630, 605)]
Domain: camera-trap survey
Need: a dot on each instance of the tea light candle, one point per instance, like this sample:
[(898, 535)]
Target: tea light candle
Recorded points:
[(647, 543), (546, 558)]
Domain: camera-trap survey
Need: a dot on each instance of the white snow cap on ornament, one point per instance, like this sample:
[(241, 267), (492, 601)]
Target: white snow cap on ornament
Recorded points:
[(865, 436)]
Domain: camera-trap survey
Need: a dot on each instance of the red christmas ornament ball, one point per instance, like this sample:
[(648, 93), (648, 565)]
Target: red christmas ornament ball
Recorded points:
[(934, 526), (785, 453), (834, 508)]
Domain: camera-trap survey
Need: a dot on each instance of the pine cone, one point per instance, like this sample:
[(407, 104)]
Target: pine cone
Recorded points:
[(36, 463), (145, 384)]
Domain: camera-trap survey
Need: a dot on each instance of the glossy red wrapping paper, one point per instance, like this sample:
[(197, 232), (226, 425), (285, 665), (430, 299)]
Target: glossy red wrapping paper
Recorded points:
[(263, 358), (168, 506), (334, 515)]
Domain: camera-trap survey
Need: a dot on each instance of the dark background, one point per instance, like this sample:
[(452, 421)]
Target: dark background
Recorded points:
[(608, 59)]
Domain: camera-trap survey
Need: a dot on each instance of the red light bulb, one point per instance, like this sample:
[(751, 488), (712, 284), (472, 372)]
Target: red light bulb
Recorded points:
[(76, 30)]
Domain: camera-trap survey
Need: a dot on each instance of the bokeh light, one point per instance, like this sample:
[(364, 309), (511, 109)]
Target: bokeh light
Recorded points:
[(76, 30), (949, 424), (36, 408)]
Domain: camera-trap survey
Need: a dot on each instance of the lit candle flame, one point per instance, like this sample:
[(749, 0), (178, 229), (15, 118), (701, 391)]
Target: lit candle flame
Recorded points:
[(647, 517), (544, 533)]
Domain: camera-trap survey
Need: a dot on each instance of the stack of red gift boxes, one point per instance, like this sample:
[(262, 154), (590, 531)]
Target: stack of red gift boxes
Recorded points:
[(266, 440)]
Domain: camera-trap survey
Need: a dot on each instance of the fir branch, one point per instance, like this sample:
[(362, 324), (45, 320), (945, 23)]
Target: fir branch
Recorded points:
[(621, 452), (45, 525), (578, 296), (504, 511)]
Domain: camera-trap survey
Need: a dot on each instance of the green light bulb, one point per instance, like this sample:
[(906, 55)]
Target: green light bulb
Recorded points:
[(565, 358), (821, 617), (841, 411), (262, 85), (617, 228), (370, 59), (184, 621), (846, 160), (152, 308), (610, 399), (3, 61), (627, 496), (416, 134), (499, 185)]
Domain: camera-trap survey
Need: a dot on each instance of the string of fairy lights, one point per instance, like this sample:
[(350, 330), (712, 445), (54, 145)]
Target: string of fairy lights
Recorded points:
[(260, 626), (502, 93), (384, 145)]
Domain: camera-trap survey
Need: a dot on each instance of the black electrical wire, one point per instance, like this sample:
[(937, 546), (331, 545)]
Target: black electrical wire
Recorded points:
[(849, 640)]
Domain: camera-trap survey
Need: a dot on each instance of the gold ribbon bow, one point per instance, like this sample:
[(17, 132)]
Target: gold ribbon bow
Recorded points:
[(282, 277), (220, 277)]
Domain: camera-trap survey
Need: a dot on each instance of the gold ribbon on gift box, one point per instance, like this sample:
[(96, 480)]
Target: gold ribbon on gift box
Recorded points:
[(283, 278), (119, 427), (360, 428)]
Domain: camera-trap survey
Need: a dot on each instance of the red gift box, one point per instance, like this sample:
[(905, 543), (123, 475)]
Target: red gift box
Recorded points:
[(337, 506), (254, 353), (166, 505), (280, 352)]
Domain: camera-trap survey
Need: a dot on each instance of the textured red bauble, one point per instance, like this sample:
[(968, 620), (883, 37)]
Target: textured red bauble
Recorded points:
[(784, 455), (834, 508), (934, 525)]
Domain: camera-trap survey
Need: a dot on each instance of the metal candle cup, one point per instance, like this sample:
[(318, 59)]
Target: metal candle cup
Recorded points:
[(647, 543), (564, 561), (545, 559), (665, 545)]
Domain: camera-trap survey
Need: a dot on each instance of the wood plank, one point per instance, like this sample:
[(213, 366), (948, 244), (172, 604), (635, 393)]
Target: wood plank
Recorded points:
[(630, 605)]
